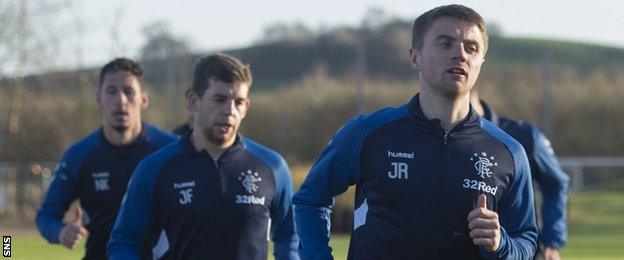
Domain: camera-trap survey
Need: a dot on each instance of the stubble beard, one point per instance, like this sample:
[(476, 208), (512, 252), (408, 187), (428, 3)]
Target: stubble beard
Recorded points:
[(450, 91), (120, 128)]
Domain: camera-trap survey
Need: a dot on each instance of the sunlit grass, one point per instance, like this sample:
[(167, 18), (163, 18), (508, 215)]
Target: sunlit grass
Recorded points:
[(596, 232)]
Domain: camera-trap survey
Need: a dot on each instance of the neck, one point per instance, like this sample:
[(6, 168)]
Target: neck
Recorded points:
[(450, 111), (201, 143), (122, 138), (476, 103)]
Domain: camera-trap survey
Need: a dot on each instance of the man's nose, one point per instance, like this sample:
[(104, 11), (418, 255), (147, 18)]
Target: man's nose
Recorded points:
[(121, 98), (229, 107), (459, 52)]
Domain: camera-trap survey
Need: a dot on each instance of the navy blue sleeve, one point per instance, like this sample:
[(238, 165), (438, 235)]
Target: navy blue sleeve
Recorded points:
[(285, 239), (516, 210), (553, 184), (60, 194), (135, 216), (136, 213), (62, 189), (336, 169)]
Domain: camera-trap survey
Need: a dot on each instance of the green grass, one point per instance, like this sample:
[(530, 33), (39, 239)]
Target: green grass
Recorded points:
[(596, 225), (596, 232), (35, 247)]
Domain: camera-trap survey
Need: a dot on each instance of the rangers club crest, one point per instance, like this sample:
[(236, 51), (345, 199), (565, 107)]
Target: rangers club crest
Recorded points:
[(483, 164), (249, 179)]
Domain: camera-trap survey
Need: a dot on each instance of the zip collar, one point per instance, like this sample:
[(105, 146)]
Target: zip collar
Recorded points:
[(188, 147), (471, 120), (141, 139)]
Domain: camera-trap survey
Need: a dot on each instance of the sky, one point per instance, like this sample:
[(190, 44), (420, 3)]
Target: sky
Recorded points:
[(217, 25)]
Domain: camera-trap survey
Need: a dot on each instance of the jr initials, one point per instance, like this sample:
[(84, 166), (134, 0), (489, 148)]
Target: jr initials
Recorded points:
[(399, 171), (186, 196)]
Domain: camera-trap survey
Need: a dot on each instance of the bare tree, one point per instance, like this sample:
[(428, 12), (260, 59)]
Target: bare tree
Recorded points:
[(374, 18), (166, 54), (286, 32), (118, 47), (161, 43)]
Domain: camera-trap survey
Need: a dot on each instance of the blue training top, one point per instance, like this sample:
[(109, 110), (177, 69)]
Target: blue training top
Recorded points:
[(415, 185), (186, 205), (96, 172)]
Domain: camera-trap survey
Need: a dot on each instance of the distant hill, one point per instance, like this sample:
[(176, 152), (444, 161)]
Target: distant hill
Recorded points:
[(280, 63), (510, 52)]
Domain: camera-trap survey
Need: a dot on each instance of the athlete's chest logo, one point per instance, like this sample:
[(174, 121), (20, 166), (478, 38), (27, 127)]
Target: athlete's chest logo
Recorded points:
[(100, 180), (483, 164), (250, 181)]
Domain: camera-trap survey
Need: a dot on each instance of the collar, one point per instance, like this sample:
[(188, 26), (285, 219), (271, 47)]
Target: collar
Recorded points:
[(142, 138), (472, 119), (188, 147)]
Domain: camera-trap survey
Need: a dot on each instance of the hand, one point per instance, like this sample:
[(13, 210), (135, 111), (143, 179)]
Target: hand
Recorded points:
[(73, 232), (484, 226), (551, 253)]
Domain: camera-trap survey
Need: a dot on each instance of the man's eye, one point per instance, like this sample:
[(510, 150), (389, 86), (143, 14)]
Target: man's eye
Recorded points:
[(444, 44)]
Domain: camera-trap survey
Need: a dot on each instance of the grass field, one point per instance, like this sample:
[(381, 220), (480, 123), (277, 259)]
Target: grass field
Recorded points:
[(596, 232)]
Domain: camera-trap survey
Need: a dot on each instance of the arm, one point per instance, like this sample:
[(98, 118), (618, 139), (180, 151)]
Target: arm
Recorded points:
[(553, 183), (283, 233), (135, 217), (60, 194), (518, 230), (336, 169)]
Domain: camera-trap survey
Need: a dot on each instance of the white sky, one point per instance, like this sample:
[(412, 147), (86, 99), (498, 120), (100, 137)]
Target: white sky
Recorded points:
[(224, 24)]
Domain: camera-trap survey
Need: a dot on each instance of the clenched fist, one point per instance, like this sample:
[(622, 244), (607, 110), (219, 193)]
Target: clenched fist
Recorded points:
[(73, 232)]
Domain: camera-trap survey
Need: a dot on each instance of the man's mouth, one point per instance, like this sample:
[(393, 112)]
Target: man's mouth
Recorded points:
[(459, 71), (120, 113), (224, 127)]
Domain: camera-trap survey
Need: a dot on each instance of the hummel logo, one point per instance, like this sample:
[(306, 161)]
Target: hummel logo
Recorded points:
[(400, 155), (183, 185)]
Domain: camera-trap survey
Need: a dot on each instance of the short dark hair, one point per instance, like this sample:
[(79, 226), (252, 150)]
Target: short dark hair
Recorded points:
[(122, 64), (423, 23), (221, 67)]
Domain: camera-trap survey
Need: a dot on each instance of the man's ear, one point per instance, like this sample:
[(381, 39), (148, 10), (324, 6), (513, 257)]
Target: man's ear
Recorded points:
[(192, 101), (98, 98), (414, 58), (247, 105), (144, 99)]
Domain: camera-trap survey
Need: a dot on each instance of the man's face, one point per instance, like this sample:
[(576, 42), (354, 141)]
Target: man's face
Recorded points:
[(121, 100), (219, 112), (451, 56)]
